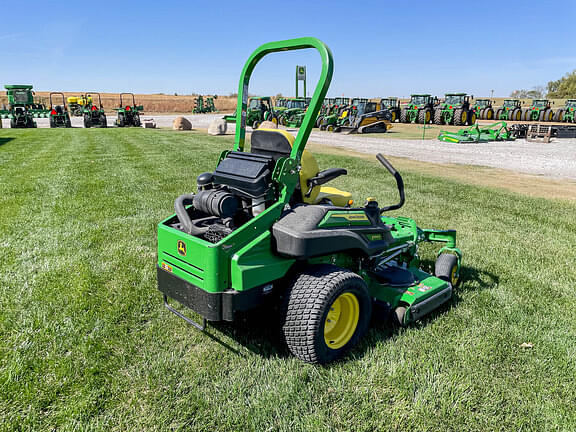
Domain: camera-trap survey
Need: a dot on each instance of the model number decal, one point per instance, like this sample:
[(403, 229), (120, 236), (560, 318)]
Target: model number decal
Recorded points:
[(423, 288), (166, 267)]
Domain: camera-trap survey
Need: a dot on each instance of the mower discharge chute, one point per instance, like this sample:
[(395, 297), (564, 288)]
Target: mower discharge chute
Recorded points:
[(59, 115), (128, 115), (263, 228)]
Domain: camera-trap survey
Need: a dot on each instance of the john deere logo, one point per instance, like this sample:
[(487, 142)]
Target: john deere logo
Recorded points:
[(181, 248), (301, 70)]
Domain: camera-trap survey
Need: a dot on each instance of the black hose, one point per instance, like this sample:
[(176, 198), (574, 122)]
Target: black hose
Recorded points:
[(184, 217)]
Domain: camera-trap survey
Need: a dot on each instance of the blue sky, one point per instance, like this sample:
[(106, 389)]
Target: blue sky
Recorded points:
[(380, 48)]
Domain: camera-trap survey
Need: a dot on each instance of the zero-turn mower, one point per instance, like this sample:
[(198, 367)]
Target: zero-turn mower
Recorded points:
[(59, 116), (263, 228), (128, 115), (94, 115)]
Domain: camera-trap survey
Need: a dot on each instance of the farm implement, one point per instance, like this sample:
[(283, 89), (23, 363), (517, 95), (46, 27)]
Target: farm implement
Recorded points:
[(128, 115), (76, 104), (566, 114), (59, 115), (510, 110), (204, 105), (259, 109), (495, 132), (455, 110), (20, 99), (420, 109), (263, 228), (483, 109), (94, 115), (392, 104), (539, 110)]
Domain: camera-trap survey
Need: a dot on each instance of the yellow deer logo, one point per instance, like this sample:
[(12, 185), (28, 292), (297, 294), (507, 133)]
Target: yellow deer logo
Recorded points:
[(181, 248)]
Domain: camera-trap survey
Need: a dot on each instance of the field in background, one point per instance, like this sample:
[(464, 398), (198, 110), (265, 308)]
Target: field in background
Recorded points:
[(85, 343), (159, 103)]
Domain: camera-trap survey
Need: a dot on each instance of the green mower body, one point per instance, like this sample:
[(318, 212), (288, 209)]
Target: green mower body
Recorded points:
[(128, 115), (420, 109), (495, 132), (455, 110), (261, 228)]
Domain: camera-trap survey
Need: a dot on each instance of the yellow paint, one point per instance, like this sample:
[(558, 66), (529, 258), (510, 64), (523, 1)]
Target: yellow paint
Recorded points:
[(341, 321)]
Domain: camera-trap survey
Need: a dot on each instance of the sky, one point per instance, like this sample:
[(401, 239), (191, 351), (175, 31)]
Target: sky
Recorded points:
[(380, 48)]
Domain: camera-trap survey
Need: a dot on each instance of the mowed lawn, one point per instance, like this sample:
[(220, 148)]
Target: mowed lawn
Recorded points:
[(86, 344)]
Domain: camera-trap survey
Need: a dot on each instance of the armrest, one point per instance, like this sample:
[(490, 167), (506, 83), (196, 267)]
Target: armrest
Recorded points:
[(324, 177)]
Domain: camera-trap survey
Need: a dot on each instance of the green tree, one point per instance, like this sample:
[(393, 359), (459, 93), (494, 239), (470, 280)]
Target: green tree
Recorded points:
[(565, 87)]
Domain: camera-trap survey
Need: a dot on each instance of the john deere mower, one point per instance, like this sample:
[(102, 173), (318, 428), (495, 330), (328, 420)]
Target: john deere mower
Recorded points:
[(94, 115), (365, 117), (20, 99), (392, 104), (455, 110), (420, 109), (262, 228), (539, 110), (259, 109), (483, 109), (59, 116), (510, 110), (128, 115), (566, 114)]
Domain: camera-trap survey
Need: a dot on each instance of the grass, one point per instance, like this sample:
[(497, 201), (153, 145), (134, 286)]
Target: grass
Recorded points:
[(85, 343)]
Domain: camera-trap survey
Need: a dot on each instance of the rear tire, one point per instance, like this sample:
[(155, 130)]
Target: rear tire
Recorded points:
[(424, 116), (438, 117), (87, 122), (471, 118), (330, 128), (446, 268), (460, 117), (498, 113), (527, 115), (327, 310), (559, 116), (404, 116)]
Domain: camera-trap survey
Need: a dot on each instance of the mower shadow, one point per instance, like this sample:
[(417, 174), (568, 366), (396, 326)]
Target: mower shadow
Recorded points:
[(259, 331), (5, 140)]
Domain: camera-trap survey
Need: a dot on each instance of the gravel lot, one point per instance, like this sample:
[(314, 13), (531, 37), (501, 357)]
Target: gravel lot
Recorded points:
[(556, 159)]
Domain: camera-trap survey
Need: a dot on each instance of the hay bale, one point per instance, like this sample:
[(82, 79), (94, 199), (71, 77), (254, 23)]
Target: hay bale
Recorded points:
[(268, 125), (218, 127), (181, 123)]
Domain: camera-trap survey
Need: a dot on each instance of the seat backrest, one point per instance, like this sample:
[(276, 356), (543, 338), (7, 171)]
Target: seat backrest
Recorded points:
[(278, 143)]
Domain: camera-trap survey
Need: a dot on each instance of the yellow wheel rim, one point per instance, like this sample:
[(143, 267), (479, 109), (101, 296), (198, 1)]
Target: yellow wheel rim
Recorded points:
[(427, 117), (341, 321), (454, 276), (489, 115), (275, 120), (464, 116), (393, 116)]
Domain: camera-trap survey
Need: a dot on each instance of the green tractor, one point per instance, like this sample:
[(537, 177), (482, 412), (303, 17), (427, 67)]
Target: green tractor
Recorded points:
[(94, 115), (566, 114), (293, 112), (392, 104), (59, 115), (420, 109), (510, 110), (484, 109), (539, 110), (262, 229), (330, 119), (128, 115), (259, 109), (20, 99), (455, 110)]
